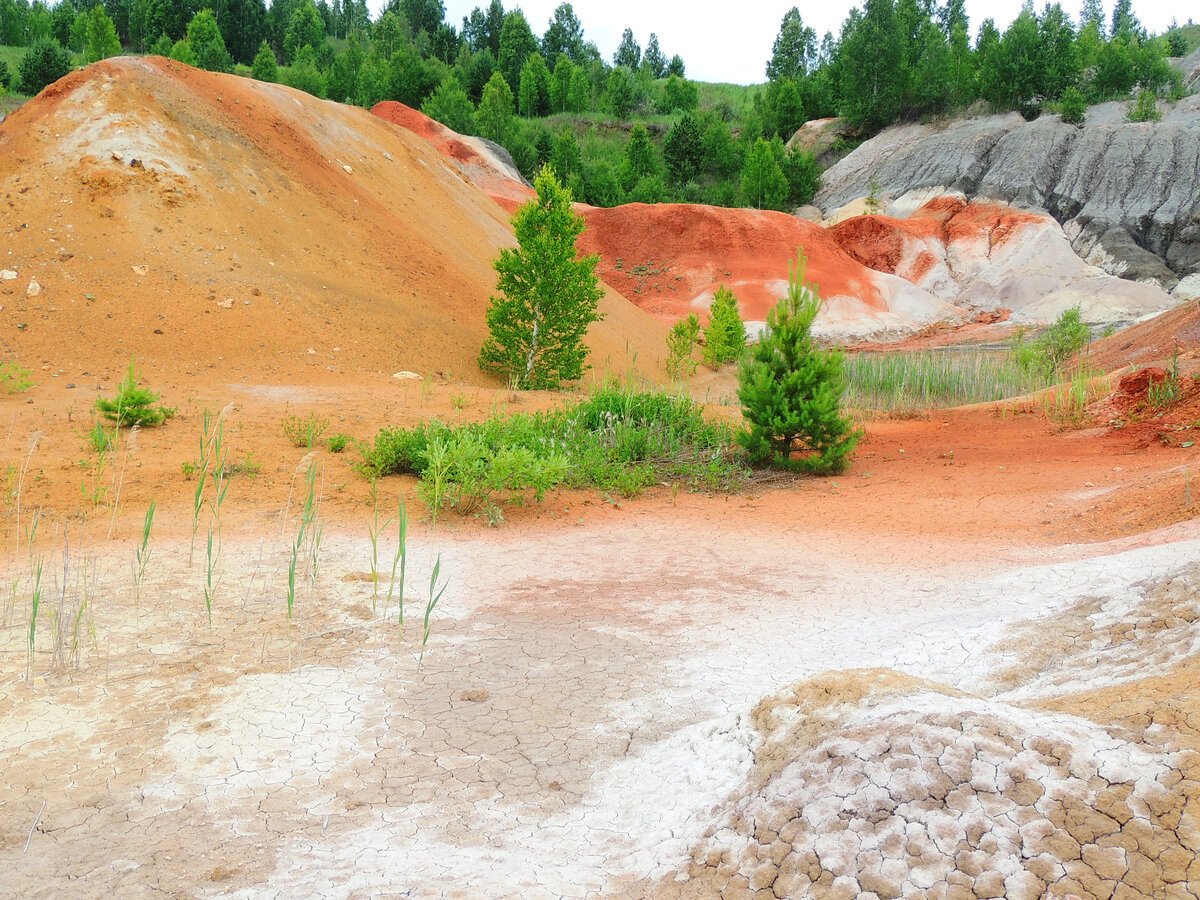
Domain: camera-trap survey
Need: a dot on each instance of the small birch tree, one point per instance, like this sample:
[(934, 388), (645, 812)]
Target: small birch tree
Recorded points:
[(547, 298)]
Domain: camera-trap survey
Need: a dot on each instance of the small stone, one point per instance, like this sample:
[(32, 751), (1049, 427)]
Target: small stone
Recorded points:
[(158, 331), (8, 274), (348, 170), (34, 288), (140, 270), (404, 376)]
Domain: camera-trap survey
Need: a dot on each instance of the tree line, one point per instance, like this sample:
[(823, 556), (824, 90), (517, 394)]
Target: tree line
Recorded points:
[(909, 59)]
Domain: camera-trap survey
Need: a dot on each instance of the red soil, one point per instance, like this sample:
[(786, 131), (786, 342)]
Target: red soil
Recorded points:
[(691, 250)]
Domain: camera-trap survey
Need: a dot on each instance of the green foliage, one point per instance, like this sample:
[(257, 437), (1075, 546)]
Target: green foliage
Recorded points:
[(621, 92), (517, 44), (548, 297), (616, 440), (763, 182), (1073, 108), (907, 383), (100, 36), (133, 405), (725, 336), (794, 49), (304, 74), (1054, 347), (494, 119), (1145, 109), (266, 66), (683, 150), (45, 63), (640, 159), (451, 106), (162, 46), (679, 94), (534, 90), (337, 443), (629, 52), (304, 431), (14, 379), (791, 391), (681, 341), (305, 28), (181, 51), (802, 173), (207, 43)]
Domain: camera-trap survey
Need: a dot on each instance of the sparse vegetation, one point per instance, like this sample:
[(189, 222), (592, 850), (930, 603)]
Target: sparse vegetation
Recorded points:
[(1049, 353), (133, 405), (304, 431), (14, 379), (617, 440), (1166, 393), (905, 383)]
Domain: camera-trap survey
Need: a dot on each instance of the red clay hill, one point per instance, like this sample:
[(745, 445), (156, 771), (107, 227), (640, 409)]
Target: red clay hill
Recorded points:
[(945, 262), (202, 220)]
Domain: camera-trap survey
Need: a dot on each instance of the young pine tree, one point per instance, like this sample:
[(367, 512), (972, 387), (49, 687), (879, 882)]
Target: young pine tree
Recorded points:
[(791, 391), (725, 336), (266, 67), (548, 296)]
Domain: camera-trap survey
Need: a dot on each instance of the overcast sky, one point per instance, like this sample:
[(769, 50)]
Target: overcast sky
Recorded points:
[(732, 41)]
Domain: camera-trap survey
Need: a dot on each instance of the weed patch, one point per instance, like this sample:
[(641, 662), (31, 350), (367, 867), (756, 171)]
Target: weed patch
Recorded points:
[(617, 440)]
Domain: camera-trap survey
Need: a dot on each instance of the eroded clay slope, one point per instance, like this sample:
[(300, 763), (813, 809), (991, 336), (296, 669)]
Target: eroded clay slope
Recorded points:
[(933, 259), (198, 219), (1127, 194)]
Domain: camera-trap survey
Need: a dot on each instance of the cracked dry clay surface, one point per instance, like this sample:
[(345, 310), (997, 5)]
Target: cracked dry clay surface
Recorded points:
[(765, 714)]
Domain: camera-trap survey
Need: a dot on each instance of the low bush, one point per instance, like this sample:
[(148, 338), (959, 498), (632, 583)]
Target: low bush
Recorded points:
[(616, 440), (133, 405), (1054, 347), (303, 431)]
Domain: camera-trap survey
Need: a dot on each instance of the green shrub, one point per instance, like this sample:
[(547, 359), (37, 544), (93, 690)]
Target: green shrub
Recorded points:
[(303, 431), (44, 64), (725, 336), (791, 391), (13, 378), (337, 443), (133, 405), (615, 440), (681, 340), (1057, 344), (1145, 108), (265, 66), (1073, 108)]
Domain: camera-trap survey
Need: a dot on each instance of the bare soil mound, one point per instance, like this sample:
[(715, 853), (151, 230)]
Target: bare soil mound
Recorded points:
[(198, 219)]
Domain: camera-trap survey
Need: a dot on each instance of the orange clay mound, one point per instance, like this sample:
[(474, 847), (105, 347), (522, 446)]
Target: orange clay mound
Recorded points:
[(485, 164), (201, 220), (671, 258)]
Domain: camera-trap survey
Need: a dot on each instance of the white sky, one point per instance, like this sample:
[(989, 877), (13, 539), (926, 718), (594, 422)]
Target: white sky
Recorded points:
[(731, 42)]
